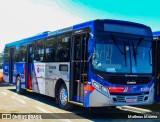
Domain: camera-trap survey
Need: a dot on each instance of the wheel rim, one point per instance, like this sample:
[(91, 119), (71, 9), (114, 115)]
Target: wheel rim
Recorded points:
[(63, 96), (18, 86)]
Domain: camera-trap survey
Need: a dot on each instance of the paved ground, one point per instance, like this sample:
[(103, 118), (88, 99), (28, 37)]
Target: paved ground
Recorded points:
[(10, 102)]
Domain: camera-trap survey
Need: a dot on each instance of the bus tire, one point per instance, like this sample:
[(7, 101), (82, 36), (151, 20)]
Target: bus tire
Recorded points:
[(19, 90), (63, 98)]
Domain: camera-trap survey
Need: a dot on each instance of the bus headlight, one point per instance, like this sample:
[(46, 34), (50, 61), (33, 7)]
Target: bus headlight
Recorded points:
[(100, 88), (105, 90), (96, 85)]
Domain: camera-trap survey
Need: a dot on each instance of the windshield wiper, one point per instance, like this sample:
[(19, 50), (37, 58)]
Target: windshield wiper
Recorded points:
[(138, 44), (123, 52), (135, 49), (134, 54)]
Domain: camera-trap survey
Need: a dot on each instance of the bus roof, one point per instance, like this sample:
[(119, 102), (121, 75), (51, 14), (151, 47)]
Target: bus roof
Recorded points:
[(74, 27), (156, 33), (49, 33), (35, 37)]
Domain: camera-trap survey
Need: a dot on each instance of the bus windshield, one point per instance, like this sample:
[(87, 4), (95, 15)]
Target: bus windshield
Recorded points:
[(122, 55)]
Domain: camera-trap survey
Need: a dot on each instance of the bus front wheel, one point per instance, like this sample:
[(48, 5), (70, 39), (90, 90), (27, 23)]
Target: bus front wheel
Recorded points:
[(19, 90), (63, 98)]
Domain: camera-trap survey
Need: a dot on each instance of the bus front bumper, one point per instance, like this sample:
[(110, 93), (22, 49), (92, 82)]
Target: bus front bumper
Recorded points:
[(97, 99)]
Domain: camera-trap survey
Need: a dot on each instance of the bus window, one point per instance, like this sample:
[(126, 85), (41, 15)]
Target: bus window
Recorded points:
[(17, 56), (6, 55), (23, 53), (63, 51), (50, 49), (39, 51)]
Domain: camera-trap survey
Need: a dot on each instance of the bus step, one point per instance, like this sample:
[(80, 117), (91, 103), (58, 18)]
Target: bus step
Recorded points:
[(76, 103), (29, 90)]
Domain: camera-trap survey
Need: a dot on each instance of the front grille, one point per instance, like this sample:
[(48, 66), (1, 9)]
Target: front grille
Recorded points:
[(130, 94), (129, 80), (122, 98)]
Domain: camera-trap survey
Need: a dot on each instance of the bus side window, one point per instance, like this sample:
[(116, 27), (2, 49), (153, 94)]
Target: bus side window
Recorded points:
[(22, 52), (6, 54), (17, 54), (39, 51), (63, 50), (50, 49)]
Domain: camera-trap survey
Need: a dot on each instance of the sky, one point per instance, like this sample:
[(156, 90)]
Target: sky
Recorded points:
[(23, 18)]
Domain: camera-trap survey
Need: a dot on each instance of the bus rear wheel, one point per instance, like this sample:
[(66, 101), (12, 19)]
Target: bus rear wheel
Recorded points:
[(19, 90), (63, 98)]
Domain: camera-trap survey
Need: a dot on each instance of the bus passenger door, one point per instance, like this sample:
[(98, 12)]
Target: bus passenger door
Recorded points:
[(11, 66), (29, 62), (78, 66)]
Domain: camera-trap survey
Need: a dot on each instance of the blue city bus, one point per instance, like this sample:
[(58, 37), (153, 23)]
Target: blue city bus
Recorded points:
[(92, 64), (156, 63)]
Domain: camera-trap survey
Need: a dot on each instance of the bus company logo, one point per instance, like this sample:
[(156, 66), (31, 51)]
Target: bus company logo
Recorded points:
[(40, 70), (131, 89), (131, 82), (128, 89), (52, 67), (144, 89)]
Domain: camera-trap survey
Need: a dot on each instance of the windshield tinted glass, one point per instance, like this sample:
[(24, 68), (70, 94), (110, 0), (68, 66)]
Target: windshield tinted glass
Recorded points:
[(117, 56), (109, 58), (143, 58)]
